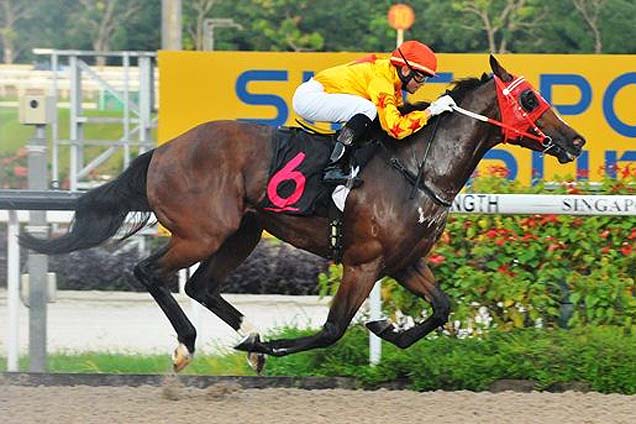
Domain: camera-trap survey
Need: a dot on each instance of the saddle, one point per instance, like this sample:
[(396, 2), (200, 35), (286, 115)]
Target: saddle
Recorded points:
[(294, 184)]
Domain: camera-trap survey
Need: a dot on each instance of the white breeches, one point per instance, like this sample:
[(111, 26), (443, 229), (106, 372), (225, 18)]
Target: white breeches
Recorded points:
[(311, 102)]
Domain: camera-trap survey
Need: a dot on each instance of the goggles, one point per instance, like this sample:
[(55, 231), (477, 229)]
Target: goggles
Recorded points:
[(418, 76)]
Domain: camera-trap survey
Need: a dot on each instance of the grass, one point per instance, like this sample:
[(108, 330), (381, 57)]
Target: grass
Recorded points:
[(13, 135), (233, 364), (347, 358)]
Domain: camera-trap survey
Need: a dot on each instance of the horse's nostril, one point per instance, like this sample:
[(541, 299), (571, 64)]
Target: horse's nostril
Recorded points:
[(578, 142)]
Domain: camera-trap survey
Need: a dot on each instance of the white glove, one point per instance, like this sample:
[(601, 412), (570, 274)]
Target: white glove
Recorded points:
[(441, 105)]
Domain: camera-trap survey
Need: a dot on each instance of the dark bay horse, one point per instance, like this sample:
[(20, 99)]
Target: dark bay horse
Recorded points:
[(205, 186)]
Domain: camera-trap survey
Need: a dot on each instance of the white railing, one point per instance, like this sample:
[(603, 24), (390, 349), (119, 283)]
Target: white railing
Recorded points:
[(528, 204), (22, 78)]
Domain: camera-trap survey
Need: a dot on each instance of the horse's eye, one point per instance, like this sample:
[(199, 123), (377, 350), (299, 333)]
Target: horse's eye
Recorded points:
[(528, 100)]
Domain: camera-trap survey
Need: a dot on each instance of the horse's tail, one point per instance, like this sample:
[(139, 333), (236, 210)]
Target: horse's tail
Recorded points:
[(100, 212)]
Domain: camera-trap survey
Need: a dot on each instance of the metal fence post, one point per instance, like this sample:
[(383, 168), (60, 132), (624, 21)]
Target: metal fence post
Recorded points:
[(37, 262)]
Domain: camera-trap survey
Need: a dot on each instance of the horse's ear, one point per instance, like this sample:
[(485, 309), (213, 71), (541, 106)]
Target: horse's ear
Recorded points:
[(499, 70)]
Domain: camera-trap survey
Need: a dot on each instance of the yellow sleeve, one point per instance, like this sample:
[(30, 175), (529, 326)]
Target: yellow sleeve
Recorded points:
[(396, 125)]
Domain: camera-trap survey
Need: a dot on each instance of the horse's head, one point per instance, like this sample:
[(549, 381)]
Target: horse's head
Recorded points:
[(529, 119)]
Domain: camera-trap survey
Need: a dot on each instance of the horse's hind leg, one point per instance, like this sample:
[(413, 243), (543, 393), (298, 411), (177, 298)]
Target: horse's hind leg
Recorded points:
[(150, 273), (153, 272), (420, 281), (205, 283)]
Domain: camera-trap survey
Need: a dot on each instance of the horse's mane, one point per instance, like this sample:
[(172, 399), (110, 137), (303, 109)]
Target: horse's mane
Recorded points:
[(460, 88), (457, 92)]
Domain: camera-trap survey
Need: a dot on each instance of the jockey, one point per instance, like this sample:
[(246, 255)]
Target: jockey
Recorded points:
[(360, 91)]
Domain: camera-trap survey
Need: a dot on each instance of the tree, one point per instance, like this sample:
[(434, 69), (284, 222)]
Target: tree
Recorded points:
[(11, 11), (501, 19), (590, 10), (142, 30), (278, 25), (103, 18), (617, 27), (197, 11), (354, 25), (444, 28), (559, 26)]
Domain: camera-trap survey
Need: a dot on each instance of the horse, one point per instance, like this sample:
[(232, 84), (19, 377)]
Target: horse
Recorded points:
[(205, 186)]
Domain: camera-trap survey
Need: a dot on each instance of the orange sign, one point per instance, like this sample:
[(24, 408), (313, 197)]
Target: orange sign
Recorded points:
[(401, 16)]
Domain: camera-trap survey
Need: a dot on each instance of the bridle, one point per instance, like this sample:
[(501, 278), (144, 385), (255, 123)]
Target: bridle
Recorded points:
[(520, 106)]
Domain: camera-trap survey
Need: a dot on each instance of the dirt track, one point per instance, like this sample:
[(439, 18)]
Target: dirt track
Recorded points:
[(228, 403)]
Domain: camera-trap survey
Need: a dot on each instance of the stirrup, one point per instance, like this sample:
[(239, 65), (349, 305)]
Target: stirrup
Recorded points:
[(346, 136), (335, 171), (337, 153), (336, 176)]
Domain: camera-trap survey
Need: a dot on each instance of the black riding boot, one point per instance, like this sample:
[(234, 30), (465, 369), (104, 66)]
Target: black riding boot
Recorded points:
[(352, 131)]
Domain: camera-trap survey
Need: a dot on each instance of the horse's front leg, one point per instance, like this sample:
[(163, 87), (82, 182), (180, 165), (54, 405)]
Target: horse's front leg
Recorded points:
[(418, 279), (357, 281)]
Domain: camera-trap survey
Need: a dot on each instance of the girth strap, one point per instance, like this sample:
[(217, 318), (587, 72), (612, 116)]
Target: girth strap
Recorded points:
[(335, 232)]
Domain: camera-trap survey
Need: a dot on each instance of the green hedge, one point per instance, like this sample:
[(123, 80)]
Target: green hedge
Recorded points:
[(531, 270), (522, 268), (601, 358)]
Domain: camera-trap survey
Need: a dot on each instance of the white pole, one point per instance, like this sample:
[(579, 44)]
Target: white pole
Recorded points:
[(400, 37), (183, 277), (13, 290), (171, 12), (375, 298), (375, 312), (126, 66)]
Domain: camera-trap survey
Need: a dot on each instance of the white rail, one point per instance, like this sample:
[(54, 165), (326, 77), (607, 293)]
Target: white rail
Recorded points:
[(528, 204)]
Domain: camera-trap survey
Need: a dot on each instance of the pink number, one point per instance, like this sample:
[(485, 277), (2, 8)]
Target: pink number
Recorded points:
[(288, 172)]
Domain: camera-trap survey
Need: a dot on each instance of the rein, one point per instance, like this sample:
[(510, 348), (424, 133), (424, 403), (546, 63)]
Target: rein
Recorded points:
[(545, 141), (421, 167)]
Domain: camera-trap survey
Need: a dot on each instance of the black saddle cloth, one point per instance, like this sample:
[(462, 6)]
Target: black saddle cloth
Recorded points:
[(295, 176), (294, 185)]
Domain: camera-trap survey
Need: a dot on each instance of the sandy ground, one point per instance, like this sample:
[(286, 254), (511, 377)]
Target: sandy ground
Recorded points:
[(228, 403)]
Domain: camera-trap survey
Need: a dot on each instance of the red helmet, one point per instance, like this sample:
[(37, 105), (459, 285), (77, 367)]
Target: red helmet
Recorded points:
[(416, 55)]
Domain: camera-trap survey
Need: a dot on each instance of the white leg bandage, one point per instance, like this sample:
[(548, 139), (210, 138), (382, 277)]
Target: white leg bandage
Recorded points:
[(246, 328)]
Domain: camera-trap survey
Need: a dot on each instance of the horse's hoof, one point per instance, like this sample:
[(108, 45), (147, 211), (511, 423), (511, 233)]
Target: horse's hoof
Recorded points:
[(378, 327), (181, 358), (256, 361)]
